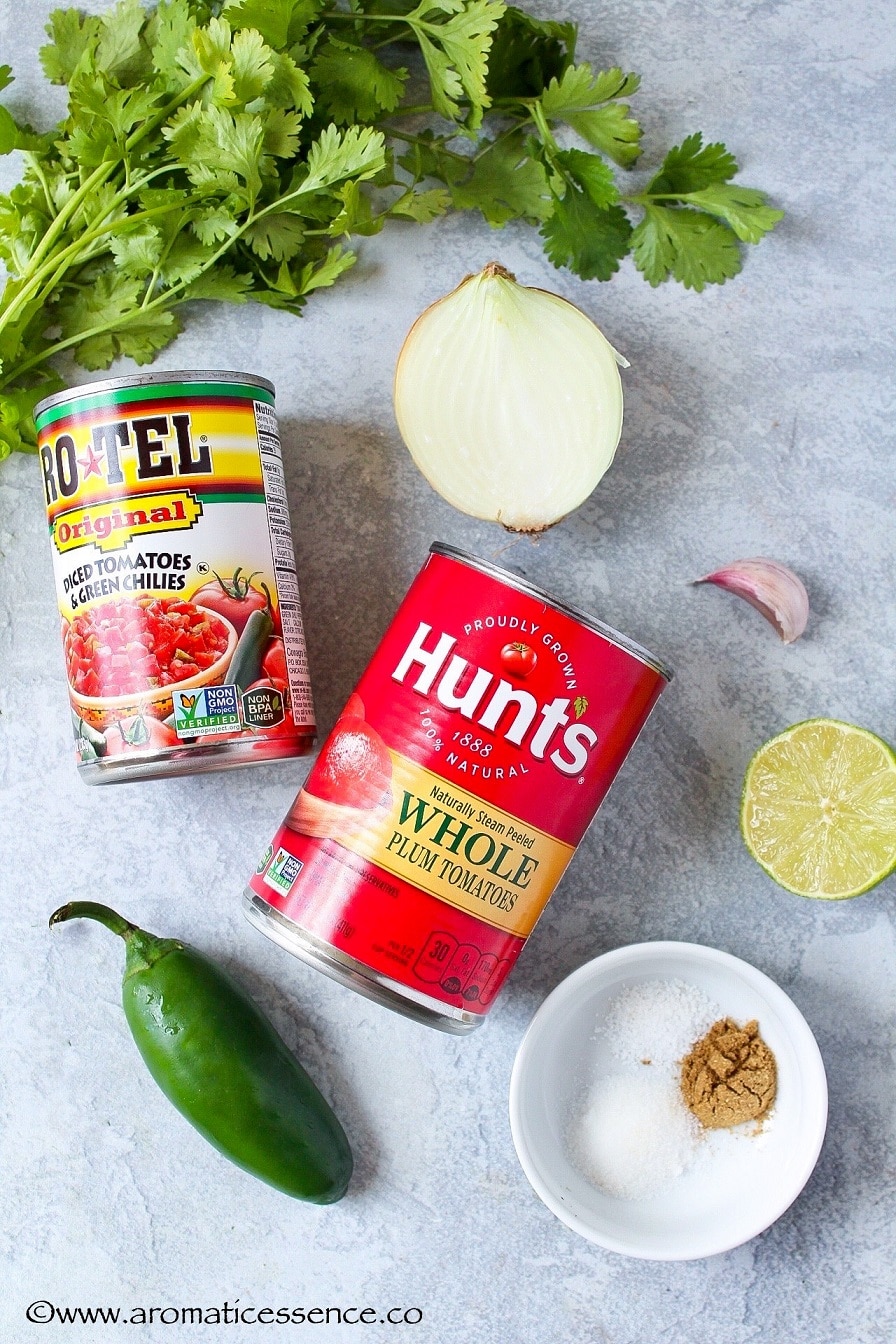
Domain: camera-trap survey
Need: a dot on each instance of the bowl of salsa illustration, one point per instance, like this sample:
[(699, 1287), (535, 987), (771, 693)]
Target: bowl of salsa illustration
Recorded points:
[(127, 657)]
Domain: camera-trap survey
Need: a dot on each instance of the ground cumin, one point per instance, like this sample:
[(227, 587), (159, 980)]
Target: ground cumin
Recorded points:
[(729, 1076)]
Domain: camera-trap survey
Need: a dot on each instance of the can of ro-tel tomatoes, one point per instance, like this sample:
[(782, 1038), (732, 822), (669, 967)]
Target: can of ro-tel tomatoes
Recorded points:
[(175, 574), (453, 791)]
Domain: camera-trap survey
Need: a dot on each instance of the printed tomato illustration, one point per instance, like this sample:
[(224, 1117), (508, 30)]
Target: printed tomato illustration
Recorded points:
[(273, 664), (354, 767), (518, 659), (276, 683), (354, 707), (235, 598), (142, 733), (118, 648)]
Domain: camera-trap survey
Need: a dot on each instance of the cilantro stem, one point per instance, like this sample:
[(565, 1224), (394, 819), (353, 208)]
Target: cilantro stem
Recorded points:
[(490, 144), (34, 164), (72, 205), (163, 300), (39, 287), (153, 123), (541, 123), (645, 197), (338, 17), (437, 149), (40, 263)]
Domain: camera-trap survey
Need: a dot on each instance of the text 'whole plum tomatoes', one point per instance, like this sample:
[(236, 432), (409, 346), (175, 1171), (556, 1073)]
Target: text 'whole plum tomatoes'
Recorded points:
[(123, 648)]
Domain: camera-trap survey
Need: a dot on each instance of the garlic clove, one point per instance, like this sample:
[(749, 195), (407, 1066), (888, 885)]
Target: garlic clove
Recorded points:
[(770, 587)]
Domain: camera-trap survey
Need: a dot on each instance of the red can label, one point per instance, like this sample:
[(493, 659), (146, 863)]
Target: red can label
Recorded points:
[(457, 783)]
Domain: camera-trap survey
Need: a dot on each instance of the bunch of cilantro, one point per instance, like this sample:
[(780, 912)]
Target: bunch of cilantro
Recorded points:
[(228, 151)]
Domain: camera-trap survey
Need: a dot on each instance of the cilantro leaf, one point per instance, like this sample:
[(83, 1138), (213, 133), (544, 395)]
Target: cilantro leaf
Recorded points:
[(580, 90), (356, 215), (288, 86), (590, 240), (142, 336), (119, 37), (208, 53), (327, 272), (185, 256), (611, 130), (173, 28), (276, 236), (222, 284), (138, 251), (686, 244), (357, 152), (429, 156), (213, 224), (74, 38), (692, 166), (6, 76), (505, 183), (120, 109), (456, 51), (252, 65), (17, 432), (526, 54), (354, 84), (215, 145), (423, 206), (108, 316), (586, 102), (281, 133), (9, 131), (591, 174), (742, 208), (698, 175), (281, 23)]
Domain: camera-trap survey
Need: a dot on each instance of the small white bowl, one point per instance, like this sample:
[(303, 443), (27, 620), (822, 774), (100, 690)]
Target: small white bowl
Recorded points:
[(741, 1181)]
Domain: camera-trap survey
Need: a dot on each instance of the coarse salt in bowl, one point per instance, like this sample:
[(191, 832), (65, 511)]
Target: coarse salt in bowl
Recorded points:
[(739, 1182)]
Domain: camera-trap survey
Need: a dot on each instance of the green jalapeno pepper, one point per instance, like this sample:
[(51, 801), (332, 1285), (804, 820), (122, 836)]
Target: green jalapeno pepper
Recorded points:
[(217, 1057)]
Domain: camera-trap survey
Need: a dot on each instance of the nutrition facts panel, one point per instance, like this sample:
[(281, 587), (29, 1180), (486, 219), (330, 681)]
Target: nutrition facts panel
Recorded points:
[(284, 564)]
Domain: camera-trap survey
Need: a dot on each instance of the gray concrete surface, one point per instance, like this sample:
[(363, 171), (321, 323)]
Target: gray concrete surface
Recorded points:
[(758, 421)]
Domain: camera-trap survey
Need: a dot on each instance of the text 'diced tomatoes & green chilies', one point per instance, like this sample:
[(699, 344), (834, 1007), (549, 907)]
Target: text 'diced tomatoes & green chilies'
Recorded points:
[(453, 791), (175, 574)]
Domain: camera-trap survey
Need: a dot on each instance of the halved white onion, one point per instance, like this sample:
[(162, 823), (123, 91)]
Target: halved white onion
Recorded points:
[(509, 400)]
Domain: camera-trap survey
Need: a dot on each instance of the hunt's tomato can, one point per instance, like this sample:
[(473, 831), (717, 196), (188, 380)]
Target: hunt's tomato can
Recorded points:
[(175, 574), (453, 791)]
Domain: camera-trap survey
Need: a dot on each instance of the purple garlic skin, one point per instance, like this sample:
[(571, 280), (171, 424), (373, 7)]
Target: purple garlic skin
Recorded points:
[(770, 587)]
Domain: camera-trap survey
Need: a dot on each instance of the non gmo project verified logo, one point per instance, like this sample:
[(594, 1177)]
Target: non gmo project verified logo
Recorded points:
[(284, 870), (214, 709)]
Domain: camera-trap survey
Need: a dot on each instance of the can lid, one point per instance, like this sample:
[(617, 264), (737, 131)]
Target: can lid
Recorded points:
[(524, 586), (226, 376)]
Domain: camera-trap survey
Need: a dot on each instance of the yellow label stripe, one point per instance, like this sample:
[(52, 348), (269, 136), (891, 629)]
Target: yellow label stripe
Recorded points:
[(461, 849)]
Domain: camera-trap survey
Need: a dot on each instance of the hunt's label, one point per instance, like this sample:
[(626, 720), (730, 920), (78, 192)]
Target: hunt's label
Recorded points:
[(458, 781)]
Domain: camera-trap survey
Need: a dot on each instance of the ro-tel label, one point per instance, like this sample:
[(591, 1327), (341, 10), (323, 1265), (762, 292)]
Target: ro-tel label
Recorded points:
[(457, 783), (169, 527)]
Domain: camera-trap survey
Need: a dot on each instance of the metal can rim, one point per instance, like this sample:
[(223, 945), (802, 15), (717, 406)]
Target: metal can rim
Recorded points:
[(532, 590), (135, 380)]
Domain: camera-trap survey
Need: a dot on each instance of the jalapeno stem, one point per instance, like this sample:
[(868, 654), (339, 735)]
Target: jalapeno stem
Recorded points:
[(143, 949), (93, 910)]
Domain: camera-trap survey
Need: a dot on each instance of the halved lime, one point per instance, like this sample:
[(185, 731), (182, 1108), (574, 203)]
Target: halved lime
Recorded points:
[(819, 809)]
